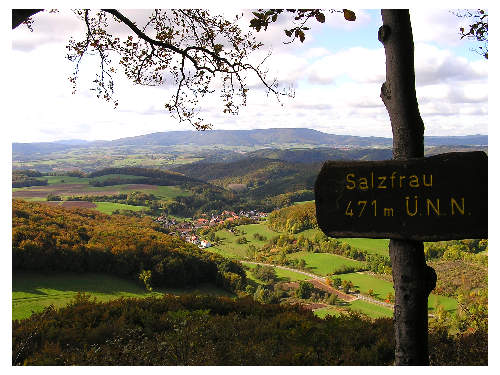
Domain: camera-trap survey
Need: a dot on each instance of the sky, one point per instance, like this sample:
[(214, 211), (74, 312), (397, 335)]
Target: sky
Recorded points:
[(336, 74)]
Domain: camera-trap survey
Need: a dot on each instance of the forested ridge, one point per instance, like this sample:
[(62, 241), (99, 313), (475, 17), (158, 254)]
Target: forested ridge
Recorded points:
[(23, 178), (53, 239), (262, 177)]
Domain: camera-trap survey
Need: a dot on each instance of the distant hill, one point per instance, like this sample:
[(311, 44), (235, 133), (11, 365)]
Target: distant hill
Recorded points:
[(262, 177), (319, 155), (256, 137), (259, 138), (39, 148)]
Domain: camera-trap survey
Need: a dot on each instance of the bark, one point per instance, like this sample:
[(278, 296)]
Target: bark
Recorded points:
[(413, 279)]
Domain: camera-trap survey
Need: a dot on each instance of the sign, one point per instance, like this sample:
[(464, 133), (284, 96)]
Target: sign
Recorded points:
[(441, 197)]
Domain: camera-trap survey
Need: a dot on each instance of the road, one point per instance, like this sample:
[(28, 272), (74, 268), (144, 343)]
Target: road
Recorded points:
[(320, 283)]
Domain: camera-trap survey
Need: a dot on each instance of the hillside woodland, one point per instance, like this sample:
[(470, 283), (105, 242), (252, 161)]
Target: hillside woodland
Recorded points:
[(52, 239), (192, 330), (195, 330)]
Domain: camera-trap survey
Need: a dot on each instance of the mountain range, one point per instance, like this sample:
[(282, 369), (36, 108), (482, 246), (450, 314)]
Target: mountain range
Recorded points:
[(250, 138)]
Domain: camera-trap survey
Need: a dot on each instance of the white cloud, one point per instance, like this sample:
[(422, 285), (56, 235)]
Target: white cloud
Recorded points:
[(439, 26), (434, 65), (337, 91), (337, 21), (359, 64)]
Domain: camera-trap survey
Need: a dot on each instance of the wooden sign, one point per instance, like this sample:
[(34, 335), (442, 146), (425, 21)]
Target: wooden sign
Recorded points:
[(442, 197)]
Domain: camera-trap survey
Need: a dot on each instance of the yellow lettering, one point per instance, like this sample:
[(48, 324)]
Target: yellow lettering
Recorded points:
[(393, 176), (388, 211), (352, 182), (348, 210), (408, 206), (414, 181), (454, 204), (434, 208), (401, 178), (426, 183), (381, 184), (364, 205), (363, 183)]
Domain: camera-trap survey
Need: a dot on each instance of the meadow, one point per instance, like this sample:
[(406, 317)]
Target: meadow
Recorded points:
[(283, 275), (369, 309), (110, 207), (323, 263), (32, 292), (229, 247), (370, 245), (381, 288)]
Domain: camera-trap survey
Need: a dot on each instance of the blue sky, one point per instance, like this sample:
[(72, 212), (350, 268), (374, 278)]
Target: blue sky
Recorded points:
[(337, 73)]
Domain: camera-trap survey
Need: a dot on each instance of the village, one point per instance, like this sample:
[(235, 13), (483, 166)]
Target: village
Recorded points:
[(188, 229)]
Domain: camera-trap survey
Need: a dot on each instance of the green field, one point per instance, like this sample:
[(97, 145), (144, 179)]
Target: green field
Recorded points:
[(371, 245), (449, 304), (325, 311), (115, 175), (33, 292), (283, 275), (57, 180), (109, 207), (323, 263), (168, 192), (228, 246), (381, 288), (369, 309), (303, 202), (364, 282)]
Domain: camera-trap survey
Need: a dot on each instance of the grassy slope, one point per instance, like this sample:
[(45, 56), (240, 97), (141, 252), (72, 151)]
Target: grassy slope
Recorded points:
[(109, 207), (283, 275), (370, 309), (322, 263), (228, 246), (33, 292), (371, 245), (381, 288)]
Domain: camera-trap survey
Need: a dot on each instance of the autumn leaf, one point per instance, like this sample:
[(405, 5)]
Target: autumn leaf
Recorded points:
[(320, 17), (349, 15)]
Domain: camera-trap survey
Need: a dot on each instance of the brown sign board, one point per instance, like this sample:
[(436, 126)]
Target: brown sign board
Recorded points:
[(441, 197)]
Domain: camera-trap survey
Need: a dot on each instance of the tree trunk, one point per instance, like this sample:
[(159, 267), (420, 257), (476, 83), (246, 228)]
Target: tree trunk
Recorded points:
[(413, 279)]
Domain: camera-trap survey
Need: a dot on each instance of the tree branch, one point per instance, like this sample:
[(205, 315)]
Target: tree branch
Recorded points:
[(22, 15)]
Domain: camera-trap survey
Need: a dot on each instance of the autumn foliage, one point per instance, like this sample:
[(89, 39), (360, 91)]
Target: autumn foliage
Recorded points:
[(53, 239), (294, 219), (197, 330)]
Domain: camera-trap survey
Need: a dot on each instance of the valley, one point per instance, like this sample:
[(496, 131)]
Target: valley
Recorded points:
[(229, 222)]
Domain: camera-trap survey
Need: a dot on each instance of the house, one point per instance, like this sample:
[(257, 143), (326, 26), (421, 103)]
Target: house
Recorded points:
[(204, 244)]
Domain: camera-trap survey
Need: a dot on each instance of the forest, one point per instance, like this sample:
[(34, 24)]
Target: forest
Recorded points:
[(52, 239), (194, 330)]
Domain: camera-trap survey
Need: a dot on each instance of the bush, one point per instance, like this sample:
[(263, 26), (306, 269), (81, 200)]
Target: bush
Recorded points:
[(305, 290), (265, 273)]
